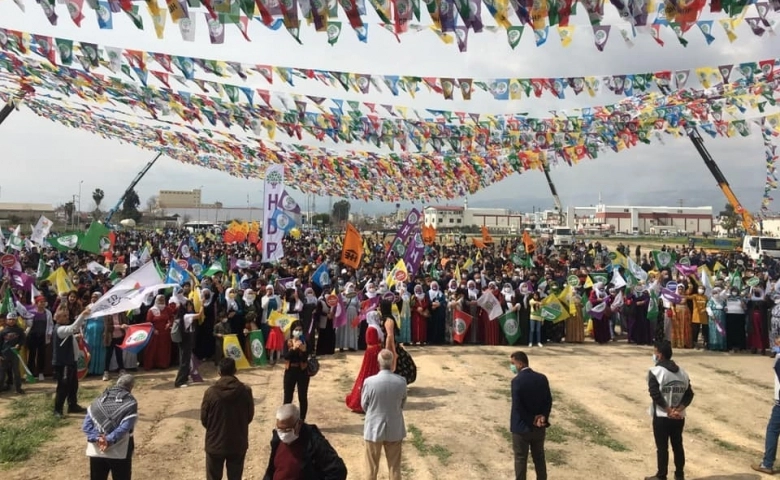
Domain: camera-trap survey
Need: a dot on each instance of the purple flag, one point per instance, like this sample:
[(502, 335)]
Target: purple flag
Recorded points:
[(340, 318), (20, 279), (671, 296), (687, 270), (414, 254), (405, 231)]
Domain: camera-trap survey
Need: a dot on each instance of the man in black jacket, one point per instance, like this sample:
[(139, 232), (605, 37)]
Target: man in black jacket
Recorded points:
[(531, 405), (226, 412), (299, 451), (670, 389)]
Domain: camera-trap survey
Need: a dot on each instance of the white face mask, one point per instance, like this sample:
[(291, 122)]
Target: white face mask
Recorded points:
[(287, 437), (655, 358), (297, 333)]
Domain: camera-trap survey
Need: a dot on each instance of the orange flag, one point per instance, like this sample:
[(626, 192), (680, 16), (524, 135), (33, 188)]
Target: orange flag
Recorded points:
[(428, 234), (486, 238), (352, 251), (528, 243), (478, 243)]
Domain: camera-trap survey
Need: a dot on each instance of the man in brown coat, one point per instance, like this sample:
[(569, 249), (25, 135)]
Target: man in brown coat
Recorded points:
[(226, 412)]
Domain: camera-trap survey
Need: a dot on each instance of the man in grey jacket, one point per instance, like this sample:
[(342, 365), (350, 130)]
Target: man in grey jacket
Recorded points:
[(383, 398)]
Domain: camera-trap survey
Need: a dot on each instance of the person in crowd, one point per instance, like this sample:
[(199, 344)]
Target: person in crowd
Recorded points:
[(699, 319), (640, 331), (109, 426), (736, 310), (93, 335), (65, 359), (114, 327), (369, 367), (383, 398), (299, 451), (681, 319), (12, 338), (600, 298), (404, 364), (296, 368), (535, 333), (671, 394), (40, 327), (185, 317), (326, 334), (347, 334), (438, 314), (529, 418), (421, 312), (226, 411), (453, 296), (269, 303), (756, 314), (221, 329), (716, 311), (157, 353)]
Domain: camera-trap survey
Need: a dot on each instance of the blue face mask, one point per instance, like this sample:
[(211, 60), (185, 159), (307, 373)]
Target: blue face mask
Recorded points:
[(513, 368)]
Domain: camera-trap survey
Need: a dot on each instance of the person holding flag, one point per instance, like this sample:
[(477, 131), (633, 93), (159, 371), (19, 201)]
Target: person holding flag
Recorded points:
[(65, 359), (11, 341)]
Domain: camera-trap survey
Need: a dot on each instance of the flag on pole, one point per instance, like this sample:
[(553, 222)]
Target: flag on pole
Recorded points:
[(231, 348), (490, 304), (352, 251), (462, 324), (257, 348), (97, 240), (510, 327), (137, 337), (130, 292)]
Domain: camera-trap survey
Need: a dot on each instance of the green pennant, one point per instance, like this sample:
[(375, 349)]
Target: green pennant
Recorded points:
[(510, 326), (652, 306), (513, 35), (334, 32)]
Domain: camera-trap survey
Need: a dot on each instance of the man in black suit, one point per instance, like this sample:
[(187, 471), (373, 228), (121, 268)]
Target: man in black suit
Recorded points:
[(531, 405)]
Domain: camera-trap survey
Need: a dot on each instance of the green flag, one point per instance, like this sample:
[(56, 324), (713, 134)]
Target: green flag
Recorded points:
[(43, 270), (586, 308), (663, 259), (96, 240), (652, 307), (510, 326), (65, 242), (216, 267), (257, 347), (8, 303)]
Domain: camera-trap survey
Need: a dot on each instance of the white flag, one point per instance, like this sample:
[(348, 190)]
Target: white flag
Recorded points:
[(15, 241), (128, 294), (96, 269), (617, 279), (492, 306)]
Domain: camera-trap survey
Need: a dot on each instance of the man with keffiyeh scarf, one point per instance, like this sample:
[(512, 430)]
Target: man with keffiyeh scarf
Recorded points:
[(109, 425)]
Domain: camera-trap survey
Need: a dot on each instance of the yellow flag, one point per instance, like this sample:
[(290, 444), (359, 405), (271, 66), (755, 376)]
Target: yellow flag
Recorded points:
[(468, 264), (61, 281), (176, 10), (565, 295), (588, 283), (231, 348), (566, 33), (277, 319), (457, 273), (399, 273)]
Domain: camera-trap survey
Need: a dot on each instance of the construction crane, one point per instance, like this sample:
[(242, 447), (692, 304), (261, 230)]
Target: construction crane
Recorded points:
[(556, 198), (135, 181), (14, 101), (748, 222)]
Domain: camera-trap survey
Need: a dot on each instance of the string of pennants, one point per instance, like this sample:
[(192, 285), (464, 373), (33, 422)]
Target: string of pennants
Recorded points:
[(451, 18), (631, 121), (355, 174), (136, 65)]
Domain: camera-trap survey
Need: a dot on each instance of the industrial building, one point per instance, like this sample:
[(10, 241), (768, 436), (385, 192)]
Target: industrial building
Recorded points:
[(498, 220), (181, 199), (641, 219)]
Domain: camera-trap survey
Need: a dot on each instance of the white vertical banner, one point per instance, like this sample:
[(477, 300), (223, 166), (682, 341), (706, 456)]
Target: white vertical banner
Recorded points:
[(273, 189)]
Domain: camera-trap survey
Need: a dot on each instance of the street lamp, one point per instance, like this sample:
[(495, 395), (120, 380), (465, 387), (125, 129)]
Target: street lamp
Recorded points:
[(79, 213)]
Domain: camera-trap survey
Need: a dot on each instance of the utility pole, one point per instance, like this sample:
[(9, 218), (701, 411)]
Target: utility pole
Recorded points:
[(79, 217), (249, 207)]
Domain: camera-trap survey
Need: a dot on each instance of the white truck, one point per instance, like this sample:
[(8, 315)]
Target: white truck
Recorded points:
[(562, 236), (755, 246)]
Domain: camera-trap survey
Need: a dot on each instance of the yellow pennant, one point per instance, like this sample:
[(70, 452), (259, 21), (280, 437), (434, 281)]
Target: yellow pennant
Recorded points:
[(567, 34), (231, 348)]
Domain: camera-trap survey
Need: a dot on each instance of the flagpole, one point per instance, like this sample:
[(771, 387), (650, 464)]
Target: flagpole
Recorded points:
[(15, 101)]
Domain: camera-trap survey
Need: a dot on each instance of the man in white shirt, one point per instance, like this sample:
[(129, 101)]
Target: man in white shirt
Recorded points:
[(383, 398)]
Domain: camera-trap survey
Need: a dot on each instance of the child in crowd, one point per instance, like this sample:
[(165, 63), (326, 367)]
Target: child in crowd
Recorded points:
[(11, 341), (221, 328)]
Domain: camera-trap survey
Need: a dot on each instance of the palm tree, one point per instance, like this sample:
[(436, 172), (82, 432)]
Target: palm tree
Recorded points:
[(97, 197)]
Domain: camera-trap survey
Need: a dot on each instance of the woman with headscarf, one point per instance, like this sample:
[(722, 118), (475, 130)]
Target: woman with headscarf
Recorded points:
[(93, 335), (640, 331), (157, 353), (438, 314), (404, 364), (347, 334), (371, 294), (269, 303), (716, 310), (421, 312), (235, 313), (307, 316), (370, 365), (735, 321), (757, 337), (470, 306), (205, 346), (326, 334), (600, 302), (453, 295), (403, 305), (681, 320)]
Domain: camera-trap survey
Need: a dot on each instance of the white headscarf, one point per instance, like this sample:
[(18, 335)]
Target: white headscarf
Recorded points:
[(472, 289), (418, 292), (231, 303), (159, 305), (369, 287), (453, 286), (372, 318), (249, 297), (433, 294), (309, 296)]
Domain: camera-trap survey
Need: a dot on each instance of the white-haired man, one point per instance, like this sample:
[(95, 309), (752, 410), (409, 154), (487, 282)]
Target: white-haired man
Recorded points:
[(383, 398), (299, 451)]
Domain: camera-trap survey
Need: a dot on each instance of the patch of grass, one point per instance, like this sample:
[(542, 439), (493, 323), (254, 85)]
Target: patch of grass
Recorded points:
[(694, 431), (345, 381), (406, 468), (421, 445), (744, 381), (481, 466), (445, 368), (726, 445), (626, 398), (505, 392), (494, 397), (185, 433), (556, 434), (30, 423), (594, 430), (555, 457), (504, 432)]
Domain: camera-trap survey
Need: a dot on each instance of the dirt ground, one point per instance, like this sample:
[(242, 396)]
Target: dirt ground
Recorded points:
[(457, 416)]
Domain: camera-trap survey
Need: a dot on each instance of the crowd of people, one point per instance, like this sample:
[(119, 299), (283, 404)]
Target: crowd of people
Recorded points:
[(687, 296)]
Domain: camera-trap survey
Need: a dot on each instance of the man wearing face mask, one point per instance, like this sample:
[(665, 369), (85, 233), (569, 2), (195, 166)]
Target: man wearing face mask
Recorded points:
[(299, 451), (531, 406), (671, 392)]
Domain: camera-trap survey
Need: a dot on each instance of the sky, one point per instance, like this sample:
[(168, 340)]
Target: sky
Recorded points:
[(50, 163)]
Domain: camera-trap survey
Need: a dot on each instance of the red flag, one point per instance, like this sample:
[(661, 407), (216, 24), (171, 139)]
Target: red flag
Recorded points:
[(82, 359), (462, 324), (137, 337)]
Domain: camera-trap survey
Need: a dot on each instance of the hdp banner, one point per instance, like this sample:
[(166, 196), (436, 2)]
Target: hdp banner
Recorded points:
[(137, 337), (257, 348), (462, 322), (82, 359), (232, 348), (510, 326)]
